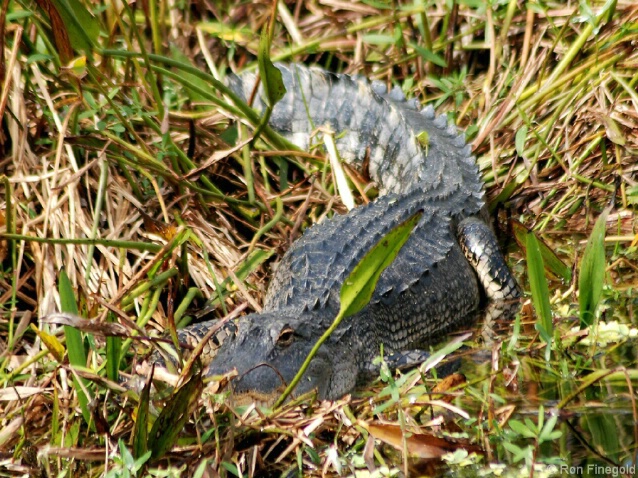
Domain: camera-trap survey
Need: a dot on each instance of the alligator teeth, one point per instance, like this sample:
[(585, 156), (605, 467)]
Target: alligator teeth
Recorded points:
[(428, 112), (378, 87)]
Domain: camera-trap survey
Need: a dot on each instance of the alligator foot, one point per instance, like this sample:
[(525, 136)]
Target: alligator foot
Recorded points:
[(481, 250)]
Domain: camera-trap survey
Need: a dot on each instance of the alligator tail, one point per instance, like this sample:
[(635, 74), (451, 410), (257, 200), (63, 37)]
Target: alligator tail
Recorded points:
[(406, 148)]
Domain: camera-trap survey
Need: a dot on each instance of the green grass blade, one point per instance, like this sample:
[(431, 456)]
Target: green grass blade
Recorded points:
[(74, 343), (113, 348), (592, 272), (540, 290)]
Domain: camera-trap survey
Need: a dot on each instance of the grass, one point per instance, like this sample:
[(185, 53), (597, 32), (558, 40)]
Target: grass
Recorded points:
[(125, 173)]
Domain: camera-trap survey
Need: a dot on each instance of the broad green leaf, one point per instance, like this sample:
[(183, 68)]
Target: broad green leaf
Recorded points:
[(74, 343), (592, 272), (548, 432), (273, 85), (551, 261), (199, 83), (614, 133), (538, 285), (519, 453), (13, 17), (357, 289), (38, 57), (82, 27), (378, 39), (201, 469), (140, 431), (174, 416)]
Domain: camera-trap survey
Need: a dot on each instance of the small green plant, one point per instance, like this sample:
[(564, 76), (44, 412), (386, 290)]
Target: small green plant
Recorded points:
[(540, 432), (126, 466)]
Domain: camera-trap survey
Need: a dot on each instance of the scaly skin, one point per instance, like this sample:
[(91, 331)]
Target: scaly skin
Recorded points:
[(435, 285)]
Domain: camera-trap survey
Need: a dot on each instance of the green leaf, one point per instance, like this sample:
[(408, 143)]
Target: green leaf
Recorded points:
[(427, 55), (273, 85), (378, 39), (614, 133), (521, 137), (357, 289), (520, 428), (140, 431), (519, 453), (74, 343), (531, 425), (199, 83), (83, 28), (113, 349), (174, 416), (540, 291), (547, 434), (552, 262), (592, 272)]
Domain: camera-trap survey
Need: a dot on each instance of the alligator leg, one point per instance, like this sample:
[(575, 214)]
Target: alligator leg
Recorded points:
[(482, 252)]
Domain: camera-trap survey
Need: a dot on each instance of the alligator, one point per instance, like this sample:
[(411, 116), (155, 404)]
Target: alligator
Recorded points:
[(445, 272)]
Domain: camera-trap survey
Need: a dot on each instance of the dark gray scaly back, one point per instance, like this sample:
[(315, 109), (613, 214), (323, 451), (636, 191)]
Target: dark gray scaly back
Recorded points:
[(367, 118), (441, 178)]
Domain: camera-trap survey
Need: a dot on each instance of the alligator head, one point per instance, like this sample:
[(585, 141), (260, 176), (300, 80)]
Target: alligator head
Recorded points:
[(270, 348)]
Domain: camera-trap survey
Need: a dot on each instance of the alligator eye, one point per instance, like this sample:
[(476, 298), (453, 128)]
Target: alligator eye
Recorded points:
[(285, 337)]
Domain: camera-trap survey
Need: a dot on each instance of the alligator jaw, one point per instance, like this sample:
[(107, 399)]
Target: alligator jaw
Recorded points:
[(269, 350)]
